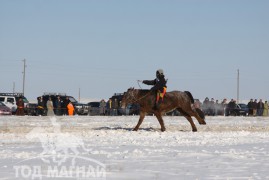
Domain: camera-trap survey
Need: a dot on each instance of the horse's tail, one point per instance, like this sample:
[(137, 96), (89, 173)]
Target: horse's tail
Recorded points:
[(190, 96), (199, 111)]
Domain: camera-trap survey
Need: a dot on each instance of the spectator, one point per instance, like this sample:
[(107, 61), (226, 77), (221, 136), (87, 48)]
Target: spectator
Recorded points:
[(65, 104), (265, 109), (260, 107), (230, 108), (218, 108), (212, 107), (115, 106), (224, 101), (197, 104), (109, 107), (255, 104), (58, 106), (40, 106), (70, 109), (50, 111), (206, 104), (102, 107), (250, 107), (223, 106), (20, 107)]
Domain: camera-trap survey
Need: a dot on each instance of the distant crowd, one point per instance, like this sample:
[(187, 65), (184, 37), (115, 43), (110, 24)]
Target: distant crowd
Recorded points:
[(58, 107), (213, 108)]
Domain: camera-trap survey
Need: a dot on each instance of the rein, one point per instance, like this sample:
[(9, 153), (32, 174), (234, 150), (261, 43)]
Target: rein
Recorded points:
[(139, 83)]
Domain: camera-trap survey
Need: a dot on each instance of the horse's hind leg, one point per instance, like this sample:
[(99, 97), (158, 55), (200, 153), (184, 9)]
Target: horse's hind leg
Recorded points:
[(141, 118), (199, 119), (188, 117), (199, 115), (160, 119), (194, 129)]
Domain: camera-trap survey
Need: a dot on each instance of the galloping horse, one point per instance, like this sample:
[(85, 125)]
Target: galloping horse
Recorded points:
[(182, 101)]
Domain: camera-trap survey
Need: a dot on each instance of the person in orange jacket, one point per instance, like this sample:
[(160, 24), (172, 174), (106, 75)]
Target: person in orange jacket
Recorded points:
[(71, 109)]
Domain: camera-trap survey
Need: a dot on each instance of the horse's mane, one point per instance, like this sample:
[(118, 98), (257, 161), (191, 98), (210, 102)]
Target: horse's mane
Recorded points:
[(144, 90), (141, 91)]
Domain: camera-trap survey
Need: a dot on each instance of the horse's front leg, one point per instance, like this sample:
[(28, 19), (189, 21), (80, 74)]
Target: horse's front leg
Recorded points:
[(160, 119), (141, 118)]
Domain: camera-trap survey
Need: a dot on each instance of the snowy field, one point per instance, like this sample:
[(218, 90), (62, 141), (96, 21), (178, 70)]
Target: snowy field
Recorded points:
[(85, 147)]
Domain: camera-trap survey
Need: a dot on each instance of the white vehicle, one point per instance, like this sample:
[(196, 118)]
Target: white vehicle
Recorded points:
[(11, 99)]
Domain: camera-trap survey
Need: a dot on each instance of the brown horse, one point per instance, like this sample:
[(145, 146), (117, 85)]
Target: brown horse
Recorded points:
[(182, 101)]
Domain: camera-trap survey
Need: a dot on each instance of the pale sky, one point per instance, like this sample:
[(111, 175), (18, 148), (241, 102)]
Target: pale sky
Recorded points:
[(105, 46)]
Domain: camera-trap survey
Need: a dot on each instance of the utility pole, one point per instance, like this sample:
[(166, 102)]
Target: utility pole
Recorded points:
[(24, 67), (237, 85), (78, 94), (13, 87)]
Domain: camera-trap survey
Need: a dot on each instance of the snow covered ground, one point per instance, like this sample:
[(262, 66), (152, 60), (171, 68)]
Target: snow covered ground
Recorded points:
[(85, 147)]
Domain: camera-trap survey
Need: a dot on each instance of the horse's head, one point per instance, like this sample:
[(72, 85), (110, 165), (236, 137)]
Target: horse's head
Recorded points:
[(129, 97)]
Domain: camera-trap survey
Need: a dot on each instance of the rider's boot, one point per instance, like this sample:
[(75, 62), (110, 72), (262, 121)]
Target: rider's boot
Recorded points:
[(157, 105)]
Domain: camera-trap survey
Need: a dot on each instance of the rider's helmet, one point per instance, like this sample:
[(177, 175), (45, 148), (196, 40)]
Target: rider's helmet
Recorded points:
[(159, 73)]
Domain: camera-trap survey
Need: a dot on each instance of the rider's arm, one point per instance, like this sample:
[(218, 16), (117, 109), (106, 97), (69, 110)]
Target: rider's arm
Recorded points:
[(148, 82)]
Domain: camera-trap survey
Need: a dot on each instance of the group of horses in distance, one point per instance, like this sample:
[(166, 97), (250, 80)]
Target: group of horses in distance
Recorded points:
[(181, 101)]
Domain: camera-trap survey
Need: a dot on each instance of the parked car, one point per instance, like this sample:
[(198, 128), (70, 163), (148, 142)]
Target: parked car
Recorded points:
[(4, 110), (11, 99), (245, 108), (94, 108), (32, 109), (238, 110)]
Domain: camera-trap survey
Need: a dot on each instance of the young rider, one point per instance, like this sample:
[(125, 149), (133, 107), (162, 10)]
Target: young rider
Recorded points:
[(159, 85)]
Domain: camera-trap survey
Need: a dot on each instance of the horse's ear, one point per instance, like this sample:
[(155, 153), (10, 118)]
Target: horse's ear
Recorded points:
[(133, 88)]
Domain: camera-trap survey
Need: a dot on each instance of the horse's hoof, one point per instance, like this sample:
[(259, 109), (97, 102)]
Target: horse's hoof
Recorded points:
[(135, 129), (163, 130), (194, 130)]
